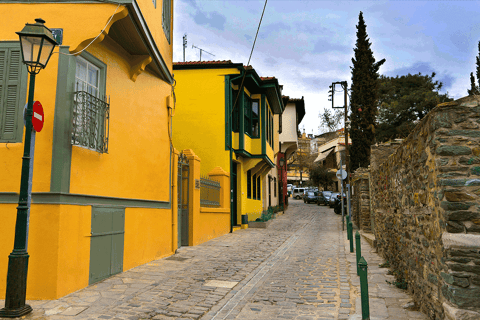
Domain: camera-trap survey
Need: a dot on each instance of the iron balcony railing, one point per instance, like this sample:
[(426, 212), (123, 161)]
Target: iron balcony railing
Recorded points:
[(209, 192), (91, 122)]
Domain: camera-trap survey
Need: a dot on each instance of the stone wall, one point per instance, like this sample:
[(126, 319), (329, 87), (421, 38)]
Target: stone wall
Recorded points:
[(361, 200), (426, 204)]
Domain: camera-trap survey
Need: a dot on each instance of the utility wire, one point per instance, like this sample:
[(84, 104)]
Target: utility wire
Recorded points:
[(248, 63)]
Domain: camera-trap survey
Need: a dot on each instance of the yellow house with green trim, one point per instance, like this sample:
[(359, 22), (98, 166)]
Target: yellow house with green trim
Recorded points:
[(226, 114), (102, 198)]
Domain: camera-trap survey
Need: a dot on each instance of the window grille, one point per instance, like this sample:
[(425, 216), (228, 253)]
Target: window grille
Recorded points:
[(209, 192), (254, 184), (91, 121)]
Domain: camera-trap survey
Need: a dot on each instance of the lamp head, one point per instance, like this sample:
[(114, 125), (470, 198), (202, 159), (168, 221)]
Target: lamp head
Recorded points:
[(37, 45)]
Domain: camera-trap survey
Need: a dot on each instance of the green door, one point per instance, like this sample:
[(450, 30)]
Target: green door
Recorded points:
[(106, 246)]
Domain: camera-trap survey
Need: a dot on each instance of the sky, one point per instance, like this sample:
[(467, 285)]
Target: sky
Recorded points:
[(307, 45)]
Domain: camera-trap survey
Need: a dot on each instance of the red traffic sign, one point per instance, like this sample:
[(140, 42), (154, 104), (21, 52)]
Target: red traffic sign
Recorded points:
[(37, 117)]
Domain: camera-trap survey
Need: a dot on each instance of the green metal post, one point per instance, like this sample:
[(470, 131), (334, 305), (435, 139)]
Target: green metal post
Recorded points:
[(350, 226), (364, 289), (18, 260), (358, 250)]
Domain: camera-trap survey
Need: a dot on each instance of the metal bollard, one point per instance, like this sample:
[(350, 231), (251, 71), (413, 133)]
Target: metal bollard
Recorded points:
[(350, 225), (362, 264), (358, 250)]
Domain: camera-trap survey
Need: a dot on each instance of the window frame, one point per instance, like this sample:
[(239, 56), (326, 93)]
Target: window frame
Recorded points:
[(247, 108), (102, 84), (255, 118), (259, 189), (249, 184)]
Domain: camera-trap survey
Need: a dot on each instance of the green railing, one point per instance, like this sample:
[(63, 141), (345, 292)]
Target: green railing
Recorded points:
[(209, 193)]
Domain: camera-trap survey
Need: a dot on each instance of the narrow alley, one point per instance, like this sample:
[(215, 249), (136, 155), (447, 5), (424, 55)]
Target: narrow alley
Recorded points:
[(299, 267)]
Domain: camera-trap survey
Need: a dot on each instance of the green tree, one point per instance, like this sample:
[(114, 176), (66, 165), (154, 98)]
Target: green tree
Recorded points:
[(475, 89), (402, 101), (363, 101), (331, 120), (321, 176)]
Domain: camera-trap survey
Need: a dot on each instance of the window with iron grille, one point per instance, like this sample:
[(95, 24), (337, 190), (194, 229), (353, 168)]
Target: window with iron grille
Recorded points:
[(91, 111), (254, 184), (166, 18), (274, 186)]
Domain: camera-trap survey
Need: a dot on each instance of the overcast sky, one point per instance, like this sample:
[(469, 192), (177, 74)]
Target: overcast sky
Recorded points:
[(309, 44)]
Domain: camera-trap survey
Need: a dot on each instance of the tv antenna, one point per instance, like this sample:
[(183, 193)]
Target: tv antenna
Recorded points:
[(184, 45), (194, 46)]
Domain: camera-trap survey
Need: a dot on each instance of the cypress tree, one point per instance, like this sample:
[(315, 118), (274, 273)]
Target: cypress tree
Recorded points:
[(473, 88), (364, 96), (478, 67)]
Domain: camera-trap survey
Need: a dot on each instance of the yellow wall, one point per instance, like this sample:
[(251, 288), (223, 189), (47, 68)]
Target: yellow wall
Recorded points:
[(199, 121), (153, 17), (58, 245), (143, 114), (148, 235), (137, 163), (214, 222)]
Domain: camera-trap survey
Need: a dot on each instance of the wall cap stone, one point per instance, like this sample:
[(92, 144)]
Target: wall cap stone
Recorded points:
[(451, 240), (452, 313)]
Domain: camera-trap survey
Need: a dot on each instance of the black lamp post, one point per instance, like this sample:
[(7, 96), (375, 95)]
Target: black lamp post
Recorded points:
[(281, 162), (37, 45)]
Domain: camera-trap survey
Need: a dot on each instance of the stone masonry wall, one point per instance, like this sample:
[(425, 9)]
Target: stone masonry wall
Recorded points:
[(426, 204), (361, 200)]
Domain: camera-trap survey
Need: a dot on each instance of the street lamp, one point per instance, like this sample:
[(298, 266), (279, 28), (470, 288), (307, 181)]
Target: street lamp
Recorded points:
[(37, 45)]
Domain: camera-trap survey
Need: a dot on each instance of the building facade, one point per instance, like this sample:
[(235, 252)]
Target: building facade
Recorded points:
[(228, 116), (103, 167)]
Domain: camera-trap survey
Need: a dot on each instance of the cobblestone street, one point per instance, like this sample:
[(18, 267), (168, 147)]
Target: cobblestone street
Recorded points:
[(298, 268)]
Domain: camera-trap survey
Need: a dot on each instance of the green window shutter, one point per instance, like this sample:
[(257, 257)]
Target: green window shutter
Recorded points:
[(166, 14), (12, 93)]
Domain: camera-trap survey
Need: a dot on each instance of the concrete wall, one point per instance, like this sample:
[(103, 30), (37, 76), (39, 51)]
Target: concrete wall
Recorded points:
[(426, 205)]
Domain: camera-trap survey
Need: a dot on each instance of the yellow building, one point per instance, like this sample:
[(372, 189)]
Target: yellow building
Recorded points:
[(102, 200), (229, 125)]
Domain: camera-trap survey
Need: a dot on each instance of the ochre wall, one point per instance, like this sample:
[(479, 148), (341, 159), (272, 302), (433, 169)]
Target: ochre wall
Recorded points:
[(147, 236), (137, 163), (59, 249), (213, 223), (201, 105)]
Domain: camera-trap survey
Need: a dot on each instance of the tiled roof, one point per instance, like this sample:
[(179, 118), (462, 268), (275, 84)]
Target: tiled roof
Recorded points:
[(189, 63), (267, 78)]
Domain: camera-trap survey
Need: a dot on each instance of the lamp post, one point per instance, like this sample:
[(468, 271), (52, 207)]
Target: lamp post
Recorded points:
[(281, 162), (37, 44)]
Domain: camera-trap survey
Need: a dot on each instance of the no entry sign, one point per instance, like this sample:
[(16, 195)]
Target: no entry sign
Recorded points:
[(37, 117)]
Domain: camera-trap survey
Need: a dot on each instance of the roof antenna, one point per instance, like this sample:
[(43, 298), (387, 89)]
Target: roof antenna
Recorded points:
[(194, 46), (184, 45)]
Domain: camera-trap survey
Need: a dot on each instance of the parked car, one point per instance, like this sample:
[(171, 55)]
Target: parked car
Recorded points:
[(326, 198), (298, 193), (310, 196), (331, 201), (320, 198)]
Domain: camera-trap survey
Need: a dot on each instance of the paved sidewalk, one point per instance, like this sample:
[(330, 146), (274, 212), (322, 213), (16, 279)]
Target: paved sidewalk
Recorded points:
[(386, 301), (299, 268)]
